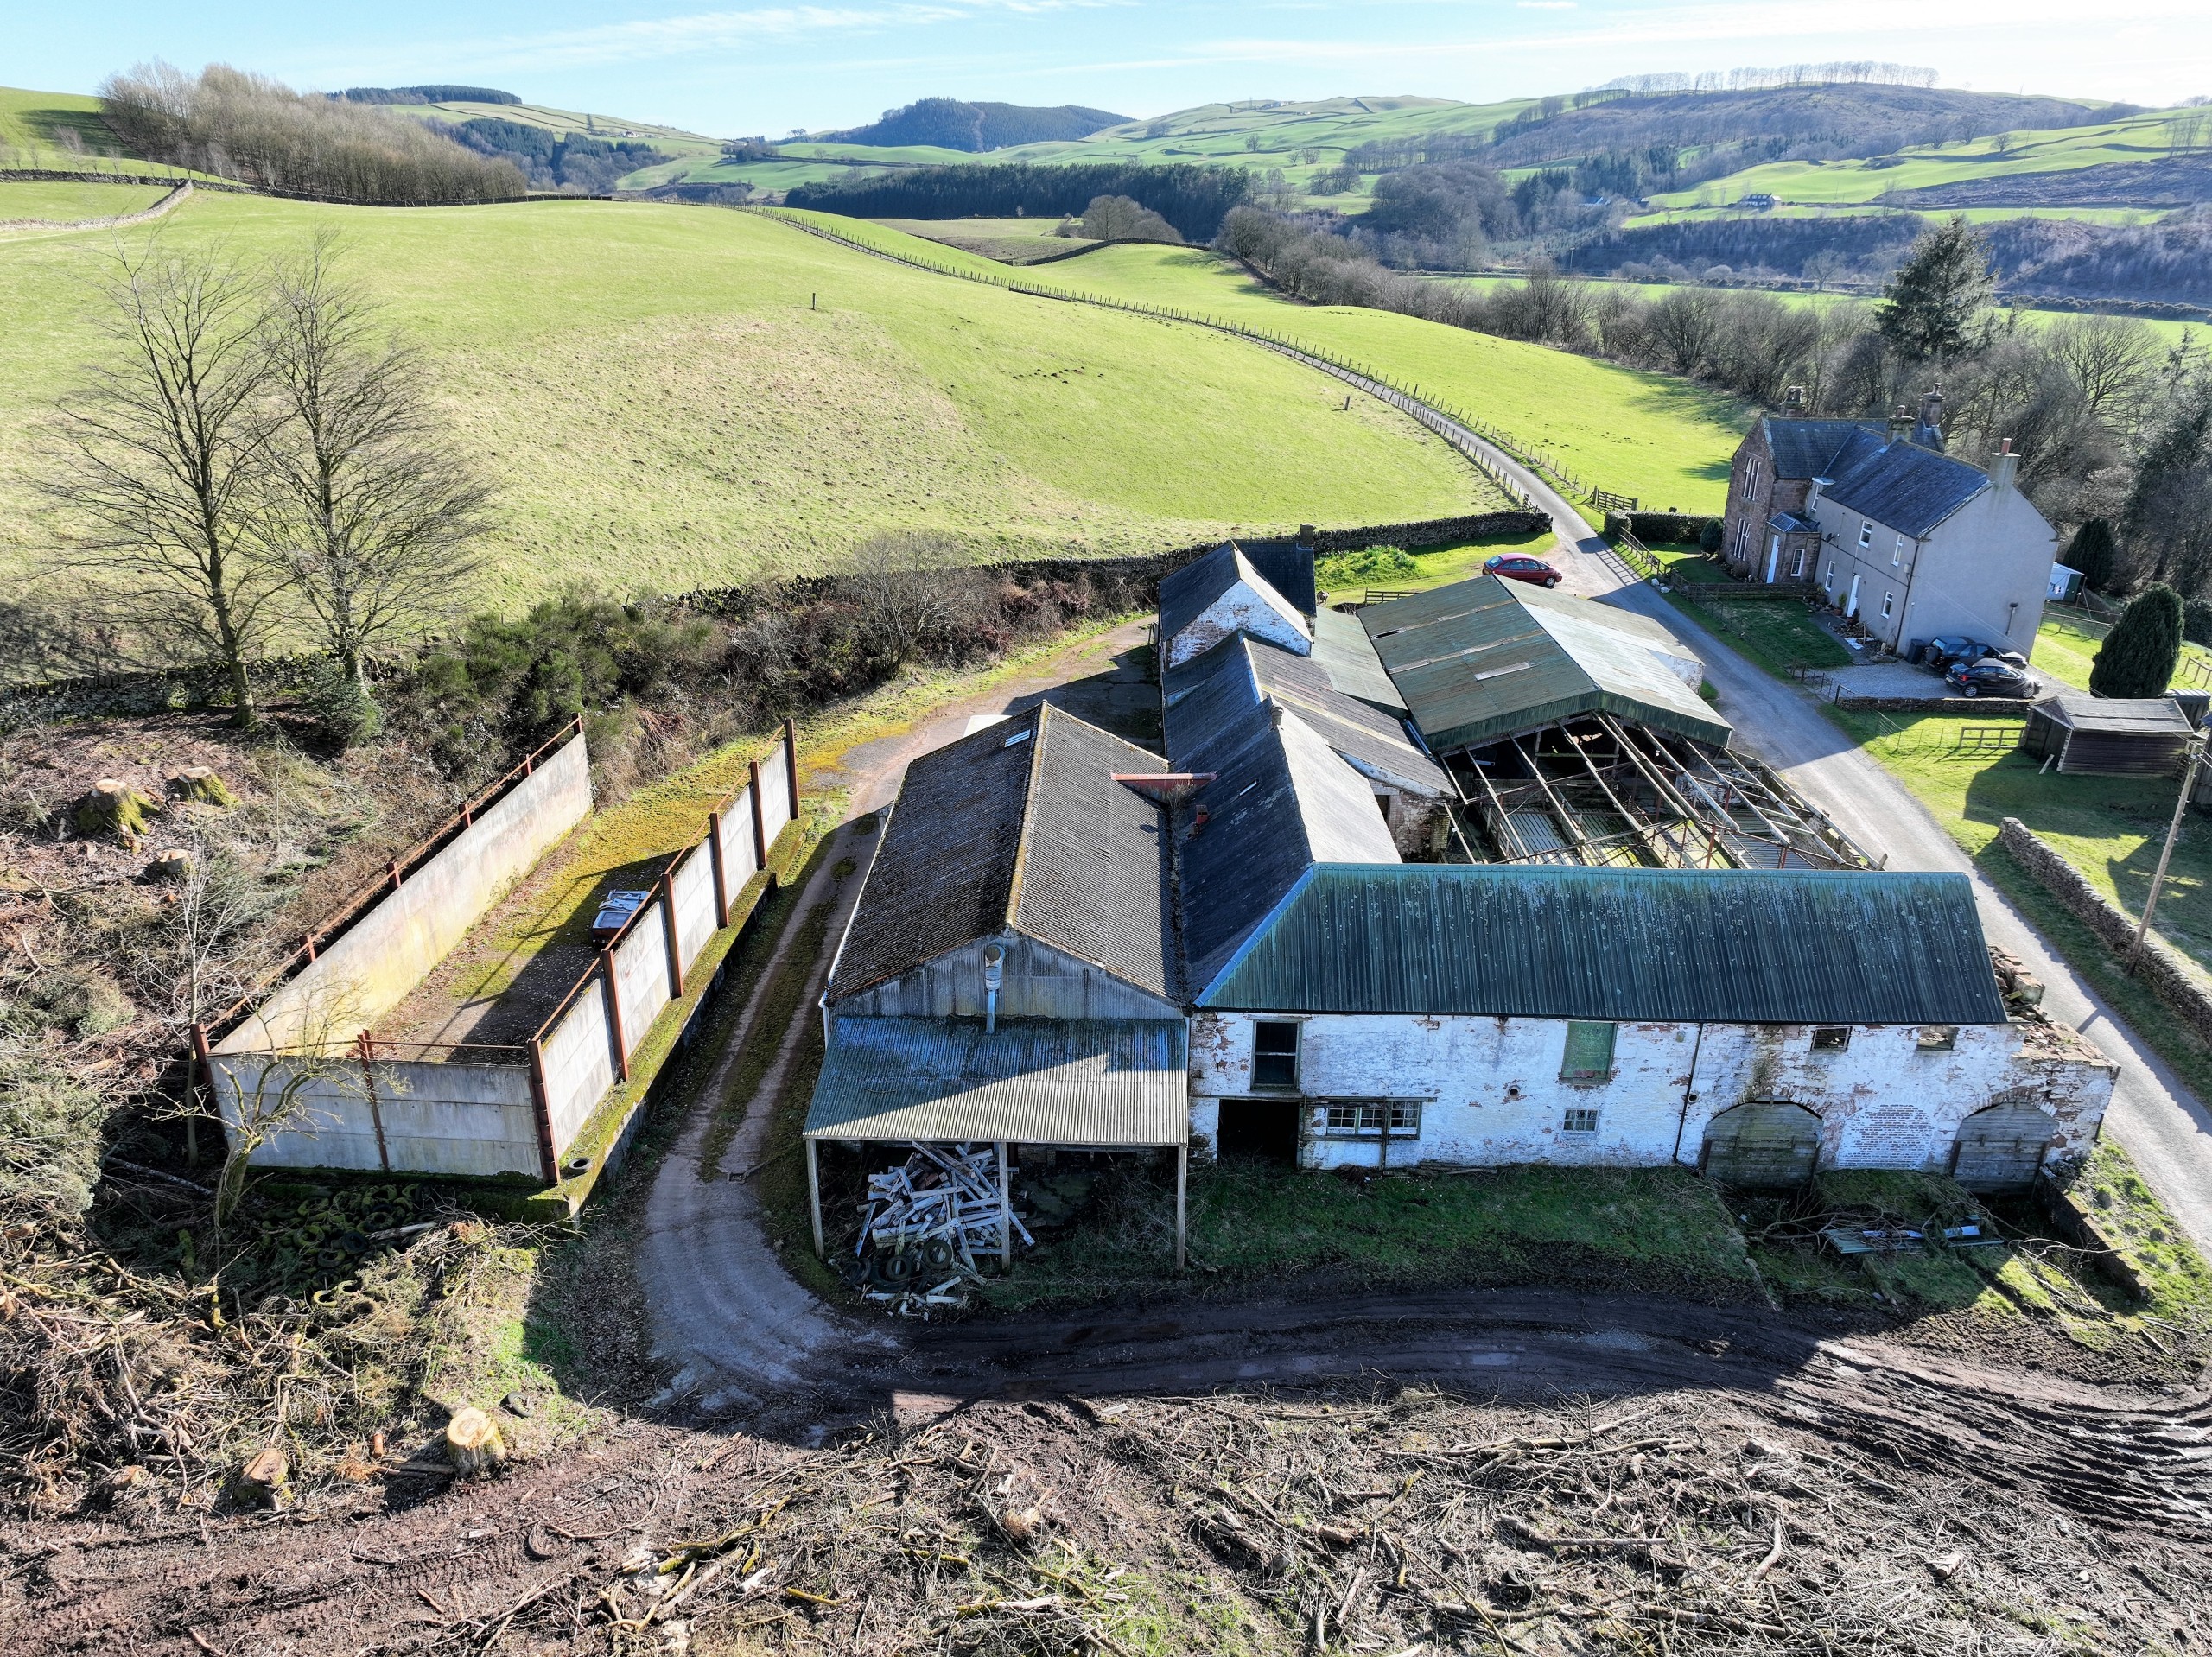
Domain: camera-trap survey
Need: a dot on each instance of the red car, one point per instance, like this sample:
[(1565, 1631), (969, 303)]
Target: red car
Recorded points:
[(1516, 567)]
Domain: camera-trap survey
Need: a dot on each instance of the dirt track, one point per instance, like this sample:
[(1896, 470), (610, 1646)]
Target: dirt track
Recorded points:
[(394, 1570)]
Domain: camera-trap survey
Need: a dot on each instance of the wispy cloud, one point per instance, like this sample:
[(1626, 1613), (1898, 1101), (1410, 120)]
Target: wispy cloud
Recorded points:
[(710, 31), (1544, 5)]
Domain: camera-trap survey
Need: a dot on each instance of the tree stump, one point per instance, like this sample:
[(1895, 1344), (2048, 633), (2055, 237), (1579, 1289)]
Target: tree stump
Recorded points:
[(472, 1443), (201, 785), (172, 867), (112, 808), (266, 1478)]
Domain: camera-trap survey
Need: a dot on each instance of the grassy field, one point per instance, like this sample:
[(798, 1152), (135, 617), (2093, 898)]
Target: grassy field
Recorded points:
[(2066, 648), (1009, 241), (63, 203), (674, 397), (1665, 441), (2133, 139)]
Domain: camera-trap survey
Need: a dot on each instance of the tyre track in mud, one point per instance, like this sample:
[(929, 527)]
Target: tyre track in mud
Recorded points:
[(436, 1573)]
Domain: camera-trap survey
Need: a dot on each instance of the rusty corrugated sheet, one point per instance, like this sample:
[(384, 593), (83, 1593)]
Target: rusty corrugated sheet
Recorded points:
[(1073, 1082), (1721, 946)]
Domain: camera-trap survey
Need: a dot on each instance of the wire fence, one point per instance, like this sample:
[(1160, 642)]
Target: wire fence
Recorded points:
[(1408, 398)]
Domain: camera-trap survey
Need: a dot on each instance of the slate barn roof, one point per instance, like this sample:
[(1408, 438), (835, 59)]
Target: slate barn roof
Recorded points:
[(1019, 825), (1046, 1082), (1630, 945), (1186, 594), (1481, 660), (1901, 485), (1807, 448)]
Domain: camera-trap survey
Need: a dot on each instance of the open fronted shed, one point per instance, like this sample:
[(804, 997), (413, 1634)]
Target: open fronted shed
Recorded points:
[(2107, 736)]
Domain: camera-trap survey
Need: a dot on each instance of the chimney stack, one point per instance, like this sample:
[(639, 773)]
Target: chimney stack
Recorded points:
[(1900, 424), (1928, 433), (1793, 399), (1306, 537), (2004, 467)]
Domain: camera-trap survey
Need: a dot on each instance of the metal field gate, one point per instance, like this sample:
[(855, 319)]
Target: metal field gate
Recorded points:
[(1767, 1144), (2000, 1148)]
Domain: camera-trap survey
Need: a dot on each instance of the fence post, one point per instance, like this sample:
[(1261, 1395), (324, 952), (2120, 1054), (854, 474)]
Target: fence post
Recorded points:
[(614, 997), (791, 765), (759, 824), (667, 935), (722, 874)]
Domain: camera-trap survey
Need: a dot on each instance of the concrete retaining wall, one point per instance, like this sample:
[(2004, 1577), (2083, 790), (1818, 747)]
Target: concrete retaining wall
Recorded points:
[(2177, 983), (578, 1056), (370, 968), (473, 1119)]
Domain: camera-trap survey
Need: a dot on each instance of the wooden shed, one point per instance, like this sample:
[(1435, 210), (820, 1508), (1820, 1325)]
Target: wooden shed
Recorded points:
[(2107, 736)]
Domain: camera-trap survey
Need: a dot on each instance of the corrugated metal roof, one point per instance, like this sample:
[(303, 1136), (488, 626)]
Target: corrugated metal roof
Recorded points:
[(1635, 945), (1347, 655), (1901, 485), (1186, 594), (1480, 660), (2144, 715), (1021, 824), (1093, 1082)]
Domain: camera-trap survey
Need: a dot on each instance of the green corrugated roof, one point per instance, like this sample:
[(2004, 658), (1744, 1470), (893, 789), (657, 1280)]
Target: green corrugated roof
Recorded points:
[(1045, 1081), (1720, 946), (1347, 655), (1476, 663)]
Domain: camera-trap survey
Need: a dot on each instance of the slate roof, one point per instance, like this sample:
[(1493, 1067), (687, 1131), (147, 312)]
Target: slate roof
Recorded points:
[(1483, 659), (1186, 594), (2117, 715), (1287, 567), (1721, 946), (1041, 1081), (1281, 801), (1807, 448), (1901, 487), (1241, 672), (1019, 825)]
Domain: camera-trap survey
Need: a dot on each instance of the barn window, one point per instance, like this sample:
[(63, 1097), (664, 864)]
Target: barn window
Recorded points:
[(1579, 1121), (1831, 1038), (1589, 1055), (1274, 1055), (1369, 1118), (1939, 1037)]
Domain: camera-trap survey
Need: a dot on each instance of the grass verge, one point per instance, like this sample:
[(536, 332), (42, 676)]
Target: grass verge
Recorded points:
[(786, 989), (1253, 1228)]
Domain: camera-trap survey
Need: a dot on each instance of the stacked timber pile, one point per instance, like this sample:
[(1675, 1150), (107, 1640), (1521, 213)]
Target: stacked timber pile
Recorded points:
[(931, 1227)]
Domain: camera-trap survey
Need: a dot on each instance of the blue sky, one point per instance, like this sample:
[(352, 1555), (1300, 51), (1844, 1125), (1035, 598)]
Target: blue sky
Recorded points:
[(767, 66)]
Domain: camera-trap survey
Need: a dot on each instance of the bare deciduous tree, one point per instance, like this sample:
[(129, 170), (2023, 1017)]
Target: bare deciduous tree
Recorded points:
[(160, 456), (368, 509), (908, 588)]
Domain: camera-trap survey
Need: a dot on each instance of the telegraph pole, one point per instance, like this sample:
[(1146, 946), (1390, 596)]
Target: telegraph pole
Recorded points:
[(2166, 854)]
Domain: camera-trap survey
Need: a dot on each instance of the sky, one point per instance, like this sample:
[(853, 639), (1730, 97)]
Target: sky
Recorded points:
[(771, 66)]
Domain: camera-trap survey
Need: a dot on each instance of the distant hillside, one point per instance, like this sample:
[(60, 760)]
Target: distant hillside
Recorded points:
[(948, 124), (439, 94)]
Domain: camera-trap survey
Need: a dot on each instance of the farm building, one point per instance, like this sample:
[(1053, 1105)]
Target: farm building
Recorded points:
[(1910, 542), (1293, 936), (2108, 736)]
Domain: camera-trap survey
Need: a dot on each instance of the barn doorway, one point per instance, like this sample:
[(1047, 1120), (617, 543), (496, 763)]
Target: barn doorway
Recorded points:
[(1766, 1144), (1259, 1130), (2000, 1148)]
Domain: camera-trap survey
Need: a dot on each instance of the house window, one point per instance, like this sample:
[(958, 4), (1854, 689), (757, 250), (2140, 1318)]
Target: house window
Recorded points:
[(1274, 1055), (1371, 1119), (1798, 565), (1865, 531), (1897, 557), (1889, 603), (1831, 1038), (1589, 1055), (1827, 581), (1939, 1037), (1579, 1121)]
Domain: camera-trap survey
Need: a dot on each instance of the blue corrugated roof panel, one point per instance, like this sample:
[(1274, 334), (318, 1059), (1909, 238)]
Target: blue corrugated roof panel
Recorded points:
[(1630, 945)]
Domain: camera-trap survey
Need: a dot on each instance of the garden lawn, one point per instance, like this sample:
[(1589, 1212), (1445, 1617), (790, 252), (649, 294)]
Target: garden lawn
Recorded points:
[(1776, 633), (2066, 648), (1667, 442), (673, 398)]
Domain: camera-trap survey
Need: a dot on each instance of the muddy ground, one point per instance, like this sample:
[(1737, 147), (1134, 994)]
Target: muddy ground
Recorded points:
[(1527, 1472)]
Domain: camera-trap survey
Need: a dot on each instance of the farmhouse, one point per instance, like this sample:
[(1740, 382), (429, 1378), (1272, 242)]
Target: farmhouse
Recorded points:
[(1309, 934), (1909, 541)]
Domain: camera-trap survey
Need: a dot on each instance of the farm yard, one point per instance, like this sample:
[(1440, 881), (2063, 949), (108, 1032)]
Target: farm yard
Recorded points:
[(675, 398)]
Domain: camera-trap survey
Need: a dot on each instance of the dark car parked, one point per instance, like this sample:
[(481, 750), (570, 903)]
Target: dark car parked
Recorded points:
[(1990, 677), (1518, 566), (1944, 654)]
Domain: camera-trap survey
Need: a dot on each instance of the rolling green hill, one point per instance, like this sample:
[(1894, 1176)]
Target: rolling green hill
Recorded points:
[(667, 408), (61, 131)]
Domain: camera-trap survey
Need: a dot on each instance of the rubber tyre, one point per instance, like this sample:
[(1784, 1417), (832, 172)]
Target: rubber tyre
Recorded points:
[(1551, 583), (937, 1254), (1969, 690), (900, 1268)]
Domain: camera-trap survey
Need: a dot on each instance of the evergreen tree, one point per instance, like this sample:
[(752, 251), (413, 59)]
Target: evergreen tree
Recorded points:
[(1928, 307), (2139, 658), (2091, 551)]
